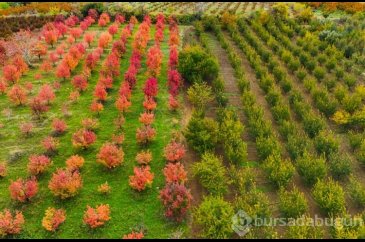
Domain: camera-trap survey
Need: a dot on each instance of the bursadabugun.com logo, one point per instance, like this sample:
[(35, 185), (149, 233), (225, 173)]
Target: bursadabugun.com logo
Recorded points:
[(242, 222)]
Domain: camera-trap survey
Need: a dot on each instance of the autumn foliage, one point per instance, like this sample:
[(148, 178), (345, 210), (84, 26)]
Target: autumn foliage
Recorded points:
[(174, 151), (53, 218), (75, 162), (65, 183), (10, 224), (96, 217), (175, 173), (83, 138), (141, 179), (23, 190), (59, 126), (38, 164), (110, 155), (144, 157), (176, 199)]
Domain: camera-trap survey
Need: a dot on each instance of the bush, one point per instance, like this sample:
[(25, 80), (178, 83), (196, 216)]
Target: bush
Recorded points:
[(311, 168), (230, 132), (96, 217), (214, 215), (280, 171), (75, 162), (53, 218), (319, 73), (23, 190), (211, 174), (176, 199), (313, 125), (255, 203), (65, 183), (110, 155), (267, 146), (200, 94), (83, 138), (326, 143), (10, 224), (243, 179), (330, 197), (298, 231), (144, 157), (292, 204), (196, 65), (356, 191), (202, 133), (174, 151), (175, 173), (339, 165), (38, 164), (141, 179), (297, 145)]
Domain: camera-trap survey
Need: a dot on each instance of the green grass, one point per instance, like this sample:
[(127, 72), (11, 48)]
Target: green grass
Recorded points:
[(129, 209)]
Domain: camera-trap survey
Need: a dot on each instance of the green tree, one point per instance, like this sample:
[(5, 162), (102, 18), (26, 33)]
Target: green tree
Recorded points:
[(196, 65)]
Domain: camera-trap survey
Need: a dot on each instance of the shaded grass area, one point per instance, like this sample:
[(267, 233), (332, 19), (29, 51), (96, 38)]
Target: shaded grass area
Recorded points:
[(129, 209)]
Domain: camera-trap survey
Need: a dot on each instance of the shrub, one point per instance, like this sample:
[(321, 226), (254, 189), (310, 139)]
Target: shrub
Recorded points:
[(110, 155), (202, 133), (308, 231), (90, 124), (23, 190), (214, 215), (196, 65), (356, 191), (145, 134), (75, 162), (243, 178), (59, 126), (312, 125), (17, 95), (65, 183), (26, 128), (292, 204), (146, 118), (83, 138), (200, 94), (141, 179), (53, 218), (319, 73), (311, 168), (96, 217), (175, 173), (174, 151), (280, 171), (212, 174), (326, 143), (329, 196), (144, 157), (50, 144), (176, 199), (10, 224), (267, 146), (339, 165), (151, 89), (134, 235), (122, 103), (79, 82), (38, 164), (104, 188)]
